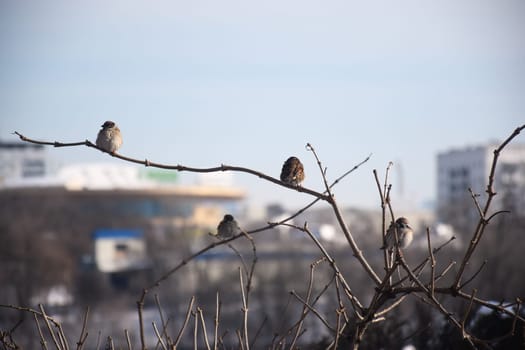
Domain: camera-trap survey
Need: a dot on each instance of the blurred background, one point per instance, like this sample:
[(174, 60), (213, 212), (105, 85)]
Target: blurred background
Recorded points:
[(432, 87)]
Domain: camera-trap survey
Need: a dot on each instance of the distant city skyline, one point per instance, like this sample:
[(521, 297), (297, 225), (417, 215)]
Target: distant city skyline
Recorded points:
[(251, 84)]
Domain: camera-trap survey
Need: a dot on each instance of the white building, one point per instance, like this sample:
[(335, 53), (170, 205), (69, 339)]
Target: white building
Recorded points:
[(22, 160), (461, 169)]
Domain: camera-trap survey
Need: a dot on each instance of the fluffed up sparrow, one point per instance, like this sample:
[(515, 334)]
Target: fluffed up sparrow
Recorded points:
[(228, 227), (292, 172), (405, 234), (109, 138)]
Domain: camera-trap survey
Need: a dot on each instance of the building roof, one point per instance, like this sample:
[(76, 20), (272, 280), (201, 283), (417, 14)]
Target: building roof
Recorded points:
[(96, 178)]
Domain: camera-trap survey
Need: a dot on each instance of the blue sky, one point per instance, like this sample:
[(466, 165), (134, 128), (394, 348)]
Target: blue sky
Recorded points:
[(202, 83)]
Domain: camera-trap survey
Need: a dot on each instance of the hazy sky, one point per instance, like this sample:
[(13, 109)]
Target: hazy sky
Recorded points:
[(249, 83)]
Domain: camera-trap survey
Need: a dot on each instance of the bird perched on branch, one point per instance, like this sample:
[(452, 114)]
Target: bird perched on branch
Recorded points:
[(109, 137), (228, 227), (292, 172), (405, 234)]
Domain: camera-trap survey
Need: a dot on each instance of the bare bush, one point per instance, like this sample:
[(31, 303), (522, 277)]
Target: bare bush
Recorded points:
[(351, 300)]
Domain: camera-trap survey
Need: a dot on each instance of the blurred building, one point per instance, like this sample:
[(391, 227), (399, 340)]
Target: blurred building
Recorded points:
[(119, 191), (22, 160), (109, 219), (120, 250), (461, 169)]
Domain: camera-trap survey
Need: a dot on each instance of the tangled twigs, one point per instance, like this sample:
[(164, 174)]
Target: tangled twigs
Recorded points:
[(483, 220), (342, 224), (424, 281)]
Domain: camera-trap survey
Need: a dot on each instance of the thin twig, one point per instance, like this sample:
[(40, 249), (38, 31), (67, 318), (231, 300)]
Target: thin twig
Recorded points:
[(42, 339), (82, 338), (474, 275), (312, 309), (482, 223), (435, 302), (204, 331), (383, 221), (128, 340), (310, 148), (445, 270), (432, 264), (99, 337), (418, 269), (45, 317), (252, 267), (308, 295), (195, 330), (258, 332), (340, 311), (474, 197), (467, 312), (162, 320), (62, 337), (346, 231), (357, 306), (216, 320), (186, 319), (239, 337), (313, 303), (159, 337), (244, 312)]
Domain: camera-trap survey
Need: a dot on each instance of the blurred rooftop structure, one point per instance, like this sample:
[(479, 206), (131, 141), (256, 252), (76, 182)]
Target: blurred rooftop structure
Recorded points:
[(470, 167)]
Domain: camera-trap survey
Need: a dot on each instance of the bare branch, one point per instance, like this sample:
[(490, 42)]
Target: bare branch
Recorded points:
[(186, 319), (312, 309), (467, 312), (162, 320), (195, 330), (258, 332), (46, 319), (128, 340), (383, 223), (313, 303), (308, 295), (244, 312), (432, 264), (239, 337), (444, 272), (474, 197), (98, 340), (310, 148), (355, 302), (159, 337), (346, 231), (249, 274), (482, 223), (42, 339), (82, 337), (474, 275), (336, 181), (497, 213), (216, 320), (181, 168), (203, 324)]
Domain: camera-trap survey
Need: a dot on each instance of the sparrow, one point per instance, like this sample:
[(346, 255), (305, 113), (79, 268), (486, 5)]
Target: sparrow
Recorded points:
[(109, 138), (292, 172), (228, 227), (405, 234)]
